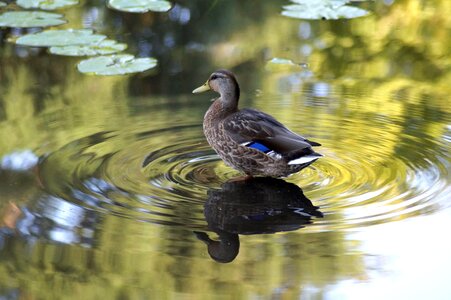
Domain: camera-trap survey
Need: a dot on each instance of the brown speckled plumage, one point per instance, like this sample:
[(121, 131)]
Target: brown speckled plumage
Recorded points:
[(229, 131)]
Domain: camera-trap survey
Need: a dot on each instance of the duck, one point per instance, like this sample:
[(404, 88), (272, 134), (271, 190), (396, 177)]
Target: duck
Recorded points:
[(249, 140)]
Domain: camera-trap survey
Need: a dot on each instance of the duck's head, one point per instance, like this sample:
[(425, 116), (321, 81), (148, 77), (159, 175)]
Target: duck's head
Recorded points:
[(222, 82)]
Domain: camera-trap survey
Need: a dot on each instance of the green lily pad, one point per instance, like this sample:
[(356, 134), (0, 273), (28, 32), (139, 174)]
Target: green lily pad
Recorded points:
[(25, 19), (116, 64), (66, 37), (286, 61), (278, 63), (102, 48), (281, 61), (323, 9), (46, 4), (140, 6), (2, 4)]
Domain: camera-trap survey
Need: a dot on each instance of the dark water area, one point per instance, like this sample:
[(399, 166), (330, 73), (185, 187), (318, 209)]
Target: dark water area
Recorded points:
[(108, 188)]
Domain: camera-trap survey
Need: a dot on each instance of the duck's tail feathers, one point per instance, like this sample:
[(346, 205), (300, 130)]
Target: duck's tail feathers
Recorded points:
[(307, 159), (312, 143)]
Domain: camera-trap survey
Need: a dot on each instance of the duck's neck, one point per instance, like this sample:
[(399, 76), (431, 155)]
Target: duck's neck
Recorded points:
[(230, 94), (229, 101), (222, 107), (217, 112)]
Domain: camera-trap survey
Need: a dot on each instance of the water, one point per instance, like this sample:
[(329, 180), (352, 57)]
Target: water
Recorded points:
[(109, 189)]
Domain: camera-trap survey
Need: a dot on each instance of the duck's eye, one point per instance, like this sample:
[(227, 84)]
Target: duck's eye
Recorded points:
[(213, 77)]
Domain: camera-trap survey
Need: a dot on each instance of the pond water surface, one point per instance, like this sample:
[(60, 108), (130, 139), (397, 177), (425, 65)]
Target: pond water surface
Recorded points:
[(108, 188)]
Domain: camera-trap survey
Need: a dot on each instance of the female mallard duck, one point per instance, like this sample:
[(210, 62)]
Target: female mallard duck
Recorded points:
[(249, 140)]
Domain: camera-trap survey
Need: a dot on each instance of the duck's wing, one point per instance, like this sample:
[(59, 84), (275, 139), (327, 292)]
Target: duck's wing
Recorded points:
[(261, 131)]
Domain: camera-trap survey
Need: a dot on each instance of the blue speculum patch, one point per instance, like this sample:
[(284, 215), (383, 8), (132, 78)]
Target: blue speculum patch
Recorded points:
[(260, 147)]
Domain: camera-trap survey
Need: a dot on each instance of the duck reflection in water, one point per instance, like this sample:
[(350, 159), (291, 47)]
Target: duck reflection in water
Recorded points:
[(259, 205)]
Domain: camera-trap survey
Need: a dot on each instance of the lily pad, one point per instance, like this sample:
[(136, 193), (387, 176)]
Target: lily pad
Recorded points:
[(287, 62), (116, 64), (25, 19), (281, 61), (102, 48), (279, 64), (46, 4), (66, 37), (2, 4), (323, 9), (140, 6)]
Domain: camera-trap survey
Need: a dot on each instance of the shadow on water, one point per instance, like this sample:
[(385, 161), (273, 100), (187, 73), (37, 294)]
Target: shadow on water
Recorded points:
[(254, 206)]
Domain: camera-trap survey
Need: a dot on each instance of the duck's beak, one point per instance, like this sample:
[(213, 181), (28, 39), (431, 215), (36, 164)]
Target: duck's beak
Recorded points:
[(202, 88)]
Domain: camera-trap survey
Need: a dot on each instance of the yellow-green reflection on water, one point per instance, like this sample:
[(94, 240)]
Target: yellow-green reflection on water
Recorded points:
[(124, 173)]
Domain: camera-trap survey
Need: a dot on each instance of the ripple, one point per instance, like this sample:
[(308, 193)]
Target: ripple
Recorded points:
[(364, 181), (163, 176)]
